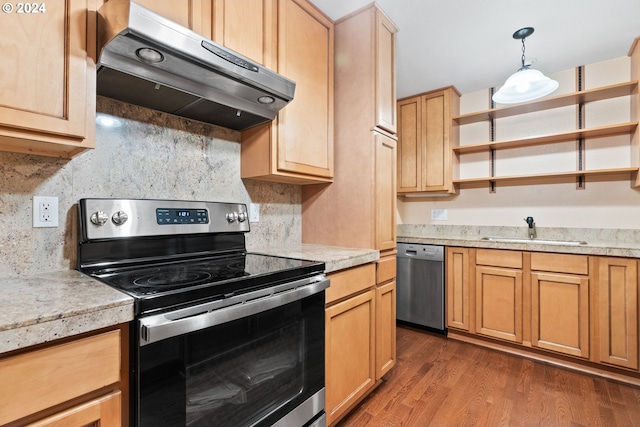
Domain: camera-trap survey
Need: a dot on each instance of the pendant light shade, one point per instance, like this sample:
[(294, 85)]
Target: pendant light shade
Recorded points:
[(526, 84)]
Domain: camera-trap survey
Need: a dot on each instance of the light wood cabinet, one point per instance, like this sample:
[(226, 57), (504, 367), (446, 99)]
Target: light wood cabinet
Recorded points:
[(499, 294), (193, 14), (385, 315), (350, 339), (617, 335), (560, 303), (297, 147), (103, 411), (499, 303), (364, 184), (365, 39), (59, 376), (426, 135), (458, 285), (247, 27), (47, 89), (560, 313)]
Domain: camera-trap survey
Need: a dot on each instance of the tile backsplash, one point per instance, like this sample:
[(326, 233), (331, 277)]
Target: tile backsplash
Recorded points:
[(149, 155)]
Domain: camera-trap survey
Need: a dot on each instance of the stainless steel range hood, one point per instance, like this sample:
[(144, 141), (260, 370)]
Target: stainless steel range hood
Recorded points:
[(148, 60)]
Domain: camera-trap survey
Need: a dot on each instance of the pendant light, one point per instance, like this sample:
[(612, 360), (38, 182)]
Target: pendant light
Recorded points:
[(526, 84)]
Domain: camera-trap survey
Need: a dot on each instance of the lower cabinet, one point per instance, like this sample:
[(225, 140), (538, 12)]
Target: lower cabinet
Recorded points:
[(103, 411), (385, 315), (360, 335), (499, 294), (560, 303), (75, 383), (457, 288), (499, 303), (617, 312), (581, 306)]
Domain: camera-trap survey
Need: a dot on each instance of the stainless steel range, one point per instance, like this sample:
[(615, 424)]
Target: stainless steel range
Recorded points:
[(221, 336)]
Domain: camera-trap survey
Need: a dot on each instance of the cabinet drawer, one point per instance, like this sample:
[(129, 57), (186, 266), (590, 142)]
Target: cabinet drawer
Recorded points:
[(499, 258), (560, 263), (386, 269), (350, 281), (43, 378)]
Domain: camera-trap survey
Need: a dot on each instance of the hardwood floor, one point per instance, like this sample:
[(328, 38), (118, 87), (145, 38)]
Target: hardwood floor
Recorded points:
[(441, 382)]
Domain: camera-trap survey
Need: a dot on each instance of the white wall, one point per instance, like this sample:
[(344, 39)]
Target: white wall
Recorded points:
[(609, 204)]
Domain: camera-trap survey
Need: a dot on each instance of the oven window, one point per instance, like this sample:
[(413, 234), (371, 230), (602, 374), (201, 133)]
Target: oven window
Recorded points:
[(250, 371)]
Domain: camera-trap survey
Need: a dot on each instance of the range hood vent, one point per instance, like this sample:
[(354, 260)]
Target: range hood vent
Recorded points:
[(150, 61)]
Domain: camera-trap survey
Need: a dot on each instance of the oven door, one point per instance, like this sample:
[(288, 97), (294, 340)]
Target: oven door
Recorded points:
[(250, 360)]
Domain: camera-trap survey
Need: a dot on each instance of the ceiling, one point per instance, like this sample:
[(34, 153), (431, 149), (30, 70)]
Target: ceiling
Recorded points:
[(469, 44)]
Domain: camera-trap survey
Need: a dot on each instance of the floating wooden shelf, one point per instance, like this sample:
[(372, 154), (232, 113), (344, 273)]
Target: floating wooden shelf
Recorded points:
[(597, 94), (609, 130), (538, 178)]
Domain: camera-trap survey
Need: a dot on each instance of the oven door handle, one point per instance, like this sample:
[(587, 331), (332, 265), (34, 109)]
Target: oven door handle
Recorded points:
[(179, 322)]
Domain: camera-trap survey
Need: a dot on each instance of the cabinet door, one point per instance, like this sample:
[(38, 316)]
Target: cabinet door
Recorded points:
[(385, 328), (305, 55), (350, 352), (47, 89), (410, 145), (435, 149), (58, 374), (385, 192), (247, 27), (618, 312), (560, 313), (385, 73), (193, 14), (297, 147), (104, 411), (458, 289), (499, 303)]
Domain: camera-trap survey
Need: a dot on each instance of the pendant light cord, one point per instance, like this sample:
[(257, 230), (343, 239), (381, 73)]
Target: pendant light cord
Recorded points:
[(523, 66)]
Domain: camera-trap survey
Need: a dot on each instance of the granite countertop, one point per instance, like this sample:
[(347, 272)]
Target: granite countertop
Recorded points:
[(335, 258), (604, 242), (54, 305)]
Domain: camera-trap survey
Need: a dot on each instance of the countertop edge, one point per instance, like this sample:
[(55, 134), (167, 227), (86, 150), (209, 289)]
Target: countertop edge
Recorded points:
[(334, 257), (58, 304), (602, 249)]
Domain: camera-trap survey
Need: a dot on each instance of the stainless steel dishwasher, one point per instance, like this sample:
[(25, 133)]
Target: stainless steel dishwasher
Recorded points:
[(420, 285)]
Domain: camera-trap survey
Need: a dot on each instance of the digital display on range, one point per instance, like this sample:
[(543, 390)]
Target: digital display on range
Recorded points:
[(181, 216)]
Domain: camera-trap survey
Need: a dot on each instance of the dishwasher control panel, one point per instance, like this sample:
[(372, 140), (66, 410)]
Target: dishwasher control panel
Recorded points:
[(421, 251)]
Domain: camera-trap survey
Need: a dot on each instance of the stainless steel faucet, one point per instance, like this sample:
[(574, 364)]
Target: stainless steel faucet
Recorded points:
[(532, 227)]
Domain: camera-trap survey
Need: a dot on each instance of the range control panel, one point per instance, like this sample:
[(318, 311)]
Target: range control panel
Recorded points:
[(115, 218)]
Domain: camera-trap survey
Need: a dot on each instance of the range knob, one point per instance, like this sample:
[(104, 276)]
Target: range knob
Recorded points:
[(119, 217), (242, 216), (231, 217), (99, 218)]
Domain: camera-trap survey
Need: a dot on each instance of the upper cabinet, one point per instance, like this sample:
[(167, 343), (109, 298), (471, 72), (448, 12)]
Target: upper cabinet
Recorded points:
[(297, 147), (47, 89), (426, 136), (193, 14), (247, 27)]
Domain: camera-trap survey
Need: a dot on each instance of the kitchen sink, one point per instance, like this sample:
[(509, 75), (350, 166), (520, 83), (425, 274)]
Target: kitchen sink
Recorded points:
[(537, 241)]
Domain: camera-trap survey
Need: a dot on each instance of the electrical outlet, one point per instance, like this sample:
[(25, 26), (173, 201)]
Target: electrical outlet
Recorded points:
[(45, 211), (438, 214), (254, 212)]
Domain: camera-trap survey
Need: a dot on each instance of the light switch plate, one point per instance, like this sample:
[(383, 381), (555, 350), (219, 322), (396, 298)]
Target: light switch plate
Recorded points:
[(438, 214)]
